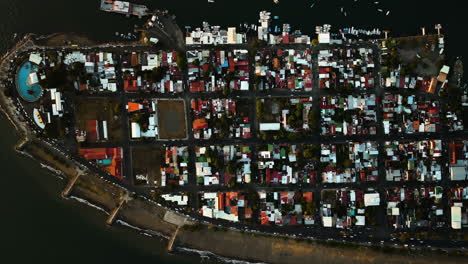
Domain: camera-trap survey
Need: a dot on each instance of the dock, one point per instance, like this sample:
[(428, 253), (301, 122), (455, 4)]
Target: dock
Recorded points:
[(171, 241), (66, 192), (113, 215)]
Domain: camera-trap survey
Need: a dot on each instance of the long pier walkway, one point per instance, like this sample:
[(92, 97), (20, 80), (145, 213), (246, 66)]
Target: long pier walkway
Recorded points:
[(113, 215), (66, 192)]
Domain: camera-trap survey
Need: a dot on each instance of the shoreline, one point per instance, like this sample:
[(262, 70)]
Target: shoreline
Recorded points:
[(142, 214)]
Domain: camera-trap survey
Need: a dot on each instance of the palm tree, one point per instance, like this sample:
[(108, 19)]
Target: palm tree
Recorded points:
[(31, 92)]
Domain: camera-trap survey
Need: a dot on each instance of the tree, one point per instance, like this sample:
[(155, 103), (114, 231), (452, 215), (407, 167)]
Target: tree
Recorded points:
[(291, 120), (232, 182), (77, 69), (196, 62), (259, 108), (231, 168), (158, 73), (348, 116), (312, 118), (226, 92), (347, 163), (181, 61)]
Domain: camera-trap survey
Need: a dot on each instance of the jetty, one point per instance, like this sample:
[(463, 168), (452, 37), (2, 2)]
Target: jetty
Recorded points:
[(171, 241), (113, 215), (66, 192)]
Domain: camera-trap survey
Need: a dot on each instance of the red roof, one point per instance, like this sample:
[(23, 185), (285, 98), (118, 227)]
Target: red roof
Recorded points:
[(92, 130), (197, 86)]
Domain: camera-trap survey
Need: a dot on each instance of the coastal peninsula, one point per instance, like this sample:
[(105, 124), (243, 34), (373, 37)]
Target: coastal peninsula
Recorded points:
[(255, 142)]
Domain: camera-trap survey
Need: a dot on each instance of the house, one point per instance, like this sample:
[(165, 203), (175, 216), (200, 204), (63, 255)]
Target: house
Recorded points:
[(371, 199), (458, 173), (443, 74), (456, 217), (270, 126), (178, 199)]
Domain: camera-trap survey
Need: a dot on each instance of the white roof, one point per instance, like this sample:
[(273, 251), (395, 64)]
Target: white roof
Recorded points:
[(136, 130), (457, 173), (179, 199), (327, 221), (35, 58), (445, 69), (244, 86), (360, 220), (209, 195), (324, 38), (33, 78), (456, 217), (371, 199), (269, 126)]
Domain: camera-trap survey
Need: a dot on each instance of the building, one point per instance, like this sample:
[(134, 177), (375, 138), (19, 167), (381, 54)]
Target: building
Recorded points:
[(270, 126), (456, 217)]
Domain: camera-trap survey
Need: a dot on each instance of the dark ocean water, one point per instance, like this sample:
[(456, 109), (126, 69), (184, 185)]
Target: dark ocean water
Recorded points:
[(35, 225)]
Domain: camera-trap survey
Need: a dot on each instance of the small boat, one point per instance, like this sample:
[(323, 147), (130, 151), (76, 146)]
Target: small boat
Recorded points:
[(210, 1), (276, 1), (388, 13)]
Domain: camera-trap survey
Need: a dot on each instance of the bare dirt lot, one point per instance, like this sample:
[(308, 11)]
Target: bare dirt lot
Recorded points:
[(148, 161), (171, 119), (100, 109)]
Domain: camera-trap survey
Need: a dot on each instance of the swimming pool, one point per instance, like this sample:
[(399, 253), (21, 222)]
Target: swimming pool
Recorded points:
[(30, 93)]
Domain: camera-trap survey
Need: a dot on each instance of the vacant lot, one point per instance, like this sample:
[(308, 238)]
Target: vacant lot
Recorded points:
[(148, 161), (101, 109), (171, 119)]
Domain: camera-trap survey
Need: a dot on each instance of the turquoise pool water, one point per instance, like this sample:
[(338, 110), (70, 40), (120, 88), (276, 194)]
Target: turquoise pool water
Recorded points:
[(29, 93)]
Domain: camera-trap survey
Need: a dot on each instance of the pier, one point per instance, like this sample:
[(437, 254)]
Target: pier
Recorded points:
[(171, 241), (112, 216), (66, 192)]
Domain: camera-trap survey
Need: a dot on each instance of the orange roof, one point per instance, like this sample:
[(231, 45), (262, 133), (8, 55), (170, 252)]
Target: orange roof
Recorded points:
[(442, 77), (200, 123), (132, 107), (264, 218), (432, 86), (307, 196), (276, 64), (134, 59), (234, 210), (220, 201), (248, 213)]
